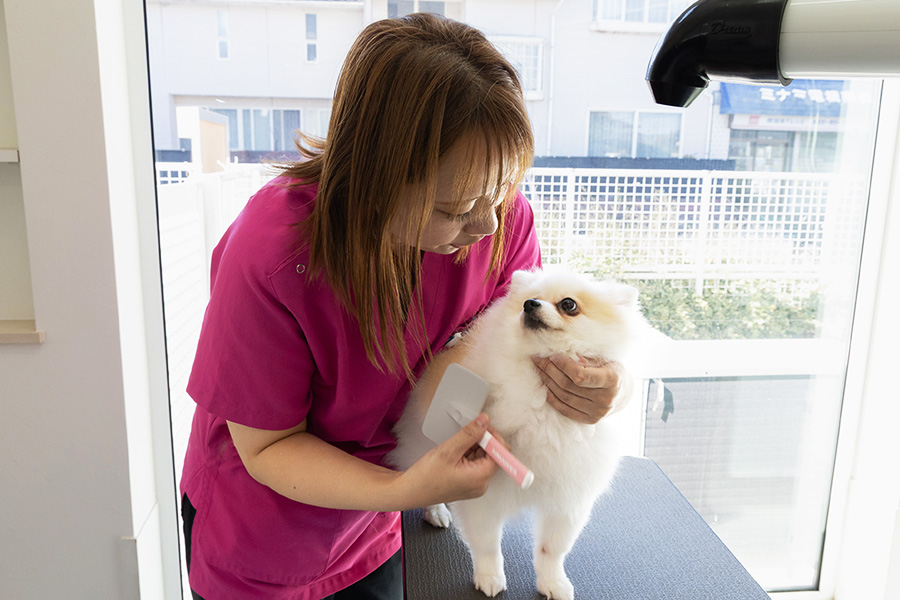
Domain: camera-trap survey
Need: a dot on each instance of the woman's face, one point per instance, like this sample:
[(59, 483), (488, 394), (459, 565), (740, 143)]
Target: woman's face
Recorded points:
[(449, 229)]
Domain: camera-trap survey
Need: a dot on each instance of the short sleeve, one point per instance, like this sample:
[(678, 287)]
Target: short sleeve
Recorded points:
[(253, 365)]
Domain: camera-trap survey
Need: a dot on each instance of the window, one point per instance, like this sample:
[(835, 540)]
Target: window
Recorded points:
[(399, 8), (798, 151), (639, 11), (222, 33), (261, 129), (286, 123), (760, 150), (739, 265), (311, 37), (634, 134), (740, 219), (611, 134), (750, 454), (318, 121), (796, 128), (526, 55)]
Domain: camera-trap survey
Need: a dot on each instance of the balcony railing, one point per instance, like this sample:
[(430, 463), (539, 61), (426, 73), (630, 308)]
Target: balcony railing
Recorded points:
[(697, 228)]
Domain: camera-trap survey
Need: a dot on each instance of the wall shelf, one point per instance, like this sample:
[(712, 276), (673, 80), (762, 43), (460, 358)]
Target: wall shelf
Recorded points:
[(9, 155), (20, 332)]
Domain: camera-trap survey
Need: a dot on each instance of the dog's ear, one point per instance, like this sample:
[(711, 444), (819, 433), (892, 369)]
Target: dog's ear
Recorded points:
[(629, 295), (622, 294), (522, 278)]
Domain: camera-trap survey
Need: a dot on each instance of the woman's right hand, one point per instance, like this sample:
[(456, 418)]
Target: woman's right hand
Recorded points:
[(458, 469)]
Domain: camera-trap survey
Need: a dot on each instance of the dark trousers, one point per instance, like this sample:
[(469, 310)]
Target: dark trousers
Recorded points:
[(384, 583)]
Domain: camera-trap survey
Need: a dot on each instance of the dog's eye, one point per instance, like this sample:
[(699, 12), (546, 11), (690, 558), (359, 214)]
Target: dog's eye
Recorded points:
[(567, 305)]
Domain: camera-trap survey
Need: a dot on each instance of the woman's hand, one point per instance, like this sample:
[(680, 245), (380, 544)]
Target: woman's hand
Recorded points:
[(458, 469), (584, 390)]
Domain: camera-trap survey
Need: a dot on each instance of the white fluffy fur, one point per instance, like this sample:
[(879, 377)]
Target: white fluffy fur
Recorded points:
[(573, 463)]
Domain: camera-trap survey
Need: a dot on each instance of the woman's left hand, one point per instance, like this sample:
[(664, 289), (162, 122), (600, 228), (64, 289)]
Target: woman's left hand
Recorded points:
[(584, 390)]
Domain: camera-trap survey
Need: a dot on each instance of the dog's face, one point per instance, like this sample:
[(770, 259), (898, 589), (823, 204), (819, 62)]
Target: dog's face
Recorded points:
[(570, 313)]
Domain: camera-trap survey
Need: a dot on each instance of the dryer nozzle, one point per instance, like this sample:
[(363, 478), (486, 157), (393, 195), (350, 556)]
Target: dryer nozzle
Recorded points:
[(733, 39)]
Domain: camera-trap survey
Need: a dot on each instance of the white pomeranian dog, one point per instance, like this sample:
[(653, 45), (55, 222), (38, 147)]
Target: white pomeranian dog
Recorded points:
[(543, 314)]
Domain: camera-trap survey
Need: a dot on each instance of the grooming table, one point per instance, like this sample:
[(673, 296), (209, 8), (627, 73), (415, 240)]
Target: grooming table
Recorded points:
[(644, 542)]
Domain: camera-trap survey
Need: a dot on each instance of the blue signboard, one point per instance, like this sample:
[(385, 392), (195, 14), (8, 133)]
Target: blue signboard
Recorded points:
[(803, 97)]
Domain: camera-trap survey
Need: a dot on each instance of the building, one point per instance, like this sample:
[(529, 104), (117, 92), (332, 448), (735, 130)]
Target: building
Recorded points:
[(269, 67)]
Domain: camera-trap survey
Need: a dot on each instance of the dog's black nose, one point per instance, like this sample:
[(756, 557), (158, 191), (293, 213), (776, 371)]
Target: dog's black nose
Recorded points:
[(531, 305)]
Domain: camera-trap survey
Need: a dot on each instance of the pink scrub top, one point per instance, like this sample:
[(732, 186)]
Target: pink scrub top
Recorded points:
[(276, 348)]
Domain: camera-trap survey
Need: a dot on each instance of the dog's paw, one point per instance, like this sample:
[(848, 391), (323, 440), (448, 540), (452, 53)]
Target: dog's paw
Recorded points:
[(491, 583), (438, 515), (557, 589)]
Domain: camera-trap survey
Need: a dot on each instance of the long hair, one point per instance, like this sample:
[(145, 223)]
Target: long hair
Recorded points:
[(410, 90)]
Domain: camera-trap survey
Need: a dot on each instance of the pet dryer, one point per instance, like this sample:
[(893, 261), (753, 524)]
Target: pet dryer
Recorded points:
[(773, 41)]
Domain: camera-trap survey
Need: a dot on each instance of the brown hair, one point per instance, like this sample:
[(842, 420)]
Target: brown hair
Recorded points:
[(410, 89)]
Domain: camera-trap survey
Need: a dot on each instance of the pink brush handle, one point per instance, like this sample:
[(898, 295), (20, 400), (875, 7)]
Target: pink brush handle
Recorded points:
[(509, 463)]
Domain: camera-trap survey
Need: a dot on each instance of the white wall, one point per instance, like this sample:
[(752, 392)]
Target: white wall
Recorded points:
[(267, 63), (80, 507), (15, 279)]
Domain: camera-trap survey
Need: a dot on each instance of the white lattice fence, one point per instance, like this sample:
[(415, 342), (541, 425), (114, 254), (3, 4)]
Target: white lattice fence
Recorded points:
[(697, 228)]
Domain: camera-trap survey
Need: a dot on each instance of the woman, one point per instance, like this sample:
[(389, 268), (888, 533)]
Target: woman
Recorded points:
[(330, 292)]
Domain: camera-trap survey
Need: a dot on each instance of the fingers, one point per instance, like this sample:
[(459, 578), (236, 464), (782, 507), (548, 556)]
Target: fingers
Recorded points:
[(458, 469), (583, 373), (572, 406), (468, 436), (582, 390)]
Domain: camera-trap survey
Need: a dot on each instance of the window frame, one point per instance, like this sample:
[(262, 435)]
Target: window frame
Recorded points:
[(507, 44), (416, 8), (223, 34), (312, 43), (621, 25), (635, 127), (854, 424)]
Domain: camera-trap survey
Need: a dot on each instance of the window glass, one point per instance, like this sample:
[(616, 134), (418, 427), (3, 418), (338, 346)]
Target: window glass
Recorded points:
[(658, 135), (640, 11), (324, 118), (400, 7), (247, 129), (526, 57), (611, 9), (740, 219), (312, 34), (290, 123), (611, 134), (222, 22), (658, 11), (635, 10), (262, 129), (431, 7), (222, 31), (233, 129), (754, 456)]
